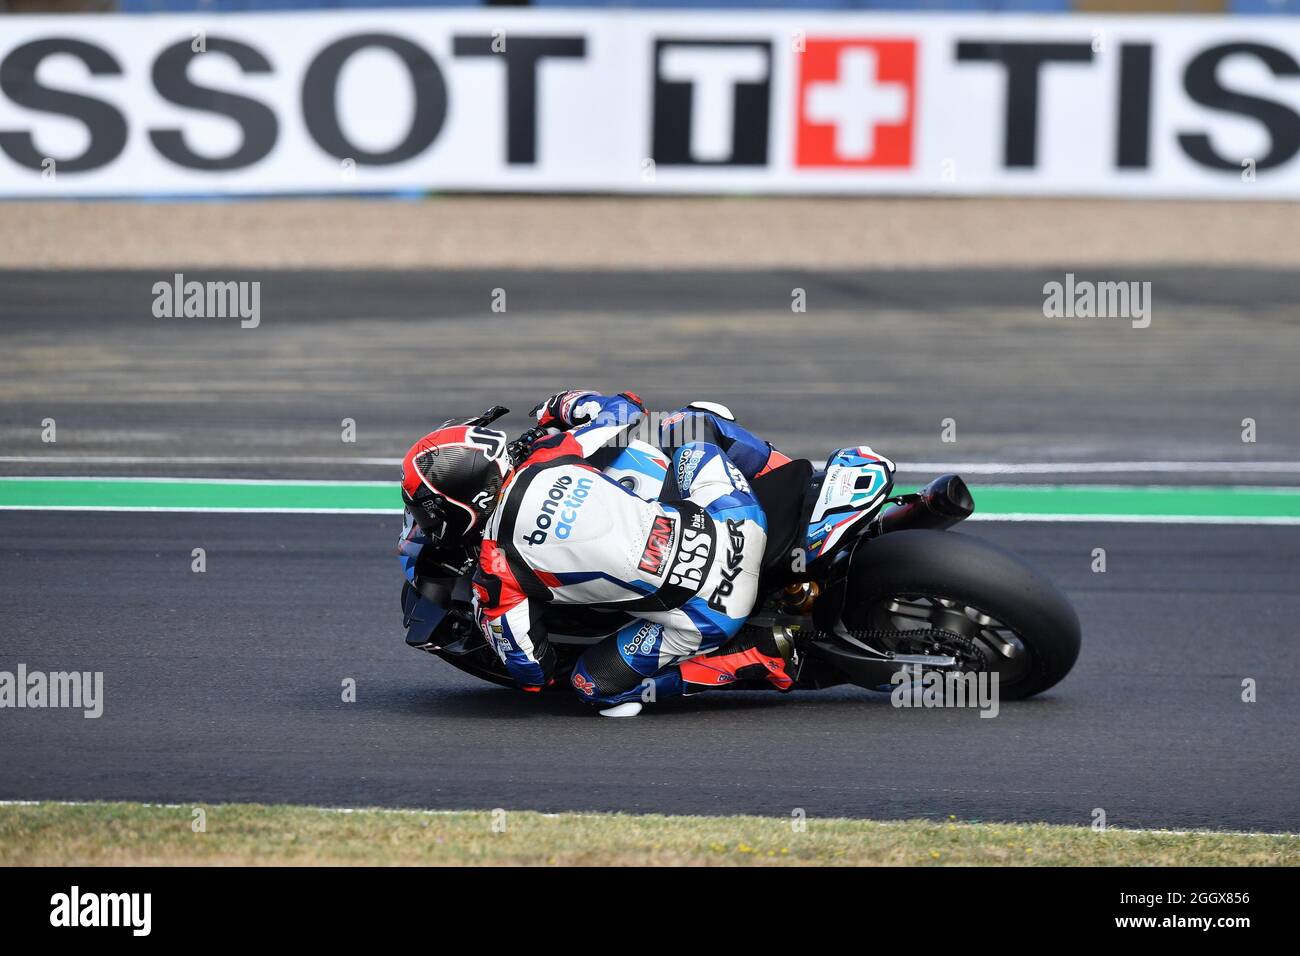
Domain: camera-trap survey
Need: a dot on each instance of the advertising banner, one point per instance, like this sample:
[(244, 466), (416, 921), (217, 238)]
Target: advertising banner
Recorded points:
[(644, 102)]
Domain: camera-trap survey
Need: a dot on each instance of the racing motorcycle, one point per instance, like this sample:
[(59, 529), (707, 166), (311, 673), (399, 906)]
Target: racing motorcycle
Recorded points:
[(865, 583)]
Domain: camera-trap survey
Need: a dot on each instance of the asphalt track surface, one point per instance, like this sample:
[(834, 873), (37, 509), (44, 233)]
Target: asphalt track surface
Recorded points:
[(880, 357), (226, 686)]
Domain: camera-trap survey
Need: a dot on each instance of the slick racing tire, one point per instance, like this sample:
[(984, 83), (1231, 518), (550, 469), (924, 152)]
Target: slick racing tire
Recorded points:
[(1009, 618)]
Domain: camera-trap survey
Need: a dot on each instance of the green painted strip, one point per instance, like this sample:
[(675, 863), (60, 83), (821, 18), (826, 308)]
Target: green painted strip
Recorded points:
[(172, 494), (214, 495), (1134, 500)]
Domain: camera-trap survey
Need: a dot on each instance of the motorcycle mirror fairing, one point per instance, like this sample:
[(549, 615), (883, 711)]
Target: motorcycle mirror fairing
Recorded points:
[(485, 418)]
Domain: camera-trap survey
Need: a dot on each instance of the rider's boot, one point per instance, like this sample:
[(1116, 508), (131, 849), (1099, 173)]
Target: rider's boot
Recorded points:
[(752, 654)]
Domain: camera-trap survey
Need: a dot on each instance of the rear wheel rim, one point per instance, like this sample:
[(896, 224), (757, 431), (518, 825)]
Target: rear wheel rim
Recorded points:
[(1002, 649)]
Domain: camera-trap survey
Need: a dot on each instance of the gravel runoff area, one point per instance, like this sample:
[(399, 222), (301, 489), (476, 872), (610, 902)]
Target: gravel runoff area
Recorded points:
[(585, 233)]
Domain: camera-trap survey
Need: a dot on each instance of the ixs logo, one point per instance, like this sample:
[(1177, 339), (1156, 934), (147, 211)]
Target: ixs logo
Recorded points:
[(655, 553), (74, 908), (693, 557), (856, 103), (583, 684), (560, 509)]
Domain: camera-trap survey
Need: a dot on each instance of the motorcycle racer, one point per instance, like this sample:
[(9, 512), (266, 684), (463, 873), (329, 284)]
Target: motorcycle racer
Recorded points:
[(555, 529)]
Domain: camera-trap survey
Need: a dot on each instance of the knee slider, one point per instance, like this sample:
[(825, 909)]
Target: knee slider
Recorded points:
[(602, 672)]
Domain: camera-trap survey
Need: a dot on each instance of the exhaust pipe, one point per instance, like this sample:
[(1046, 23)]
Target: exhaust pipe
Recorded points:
[(938, 506)]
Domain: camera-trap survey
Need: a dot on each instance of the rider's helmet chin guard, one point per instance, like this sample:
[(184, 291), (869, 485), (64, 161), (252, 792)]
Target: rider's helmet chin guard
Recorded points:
[(451, 479)]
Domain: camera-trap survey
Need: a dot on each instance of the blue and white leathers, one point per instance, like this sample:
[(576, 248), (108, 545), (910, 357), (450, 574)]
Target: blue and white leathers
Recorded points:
[(685, 567), (650, 646)]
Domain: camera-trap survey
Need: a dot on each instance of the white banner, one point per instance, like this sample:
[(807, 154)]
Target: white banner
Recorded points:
[(638, 102)]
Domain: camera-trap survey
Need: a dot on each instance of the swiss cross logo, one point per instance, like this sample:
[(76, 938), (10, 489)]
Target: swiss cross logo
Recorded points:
[(856, 103)]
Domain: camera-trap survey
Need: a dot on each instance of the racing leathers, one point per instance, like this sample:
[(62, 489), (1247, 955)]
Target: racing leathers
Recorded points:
[(683, 565)]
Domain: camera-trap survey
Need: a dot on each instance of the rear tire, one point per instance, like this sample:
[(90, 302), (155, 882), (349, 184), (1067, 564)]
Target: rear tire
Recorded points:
[(938, 567)]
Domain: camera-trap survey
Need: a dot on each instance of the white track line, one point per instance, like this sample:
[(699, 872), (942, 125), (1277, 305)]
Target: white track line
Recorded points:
[(364, 483), (1106, 467), (215, 511), (969, 467), (191, 460), (1023, 518), (408, 811), (167, 480), (1138, 519)]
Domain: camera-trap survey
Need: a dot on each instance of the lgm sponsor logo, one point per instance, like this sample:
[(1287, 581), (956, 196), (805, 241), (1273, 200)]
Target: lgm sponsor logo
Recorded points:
[(77, 690), (208, 300), (916, 687), (74, 908), (1085, 299)]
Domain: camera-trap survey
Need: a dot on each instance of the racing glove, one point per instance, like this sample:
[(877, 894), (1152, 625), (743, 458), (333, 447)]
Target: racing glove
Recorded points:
[(568, 409)]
